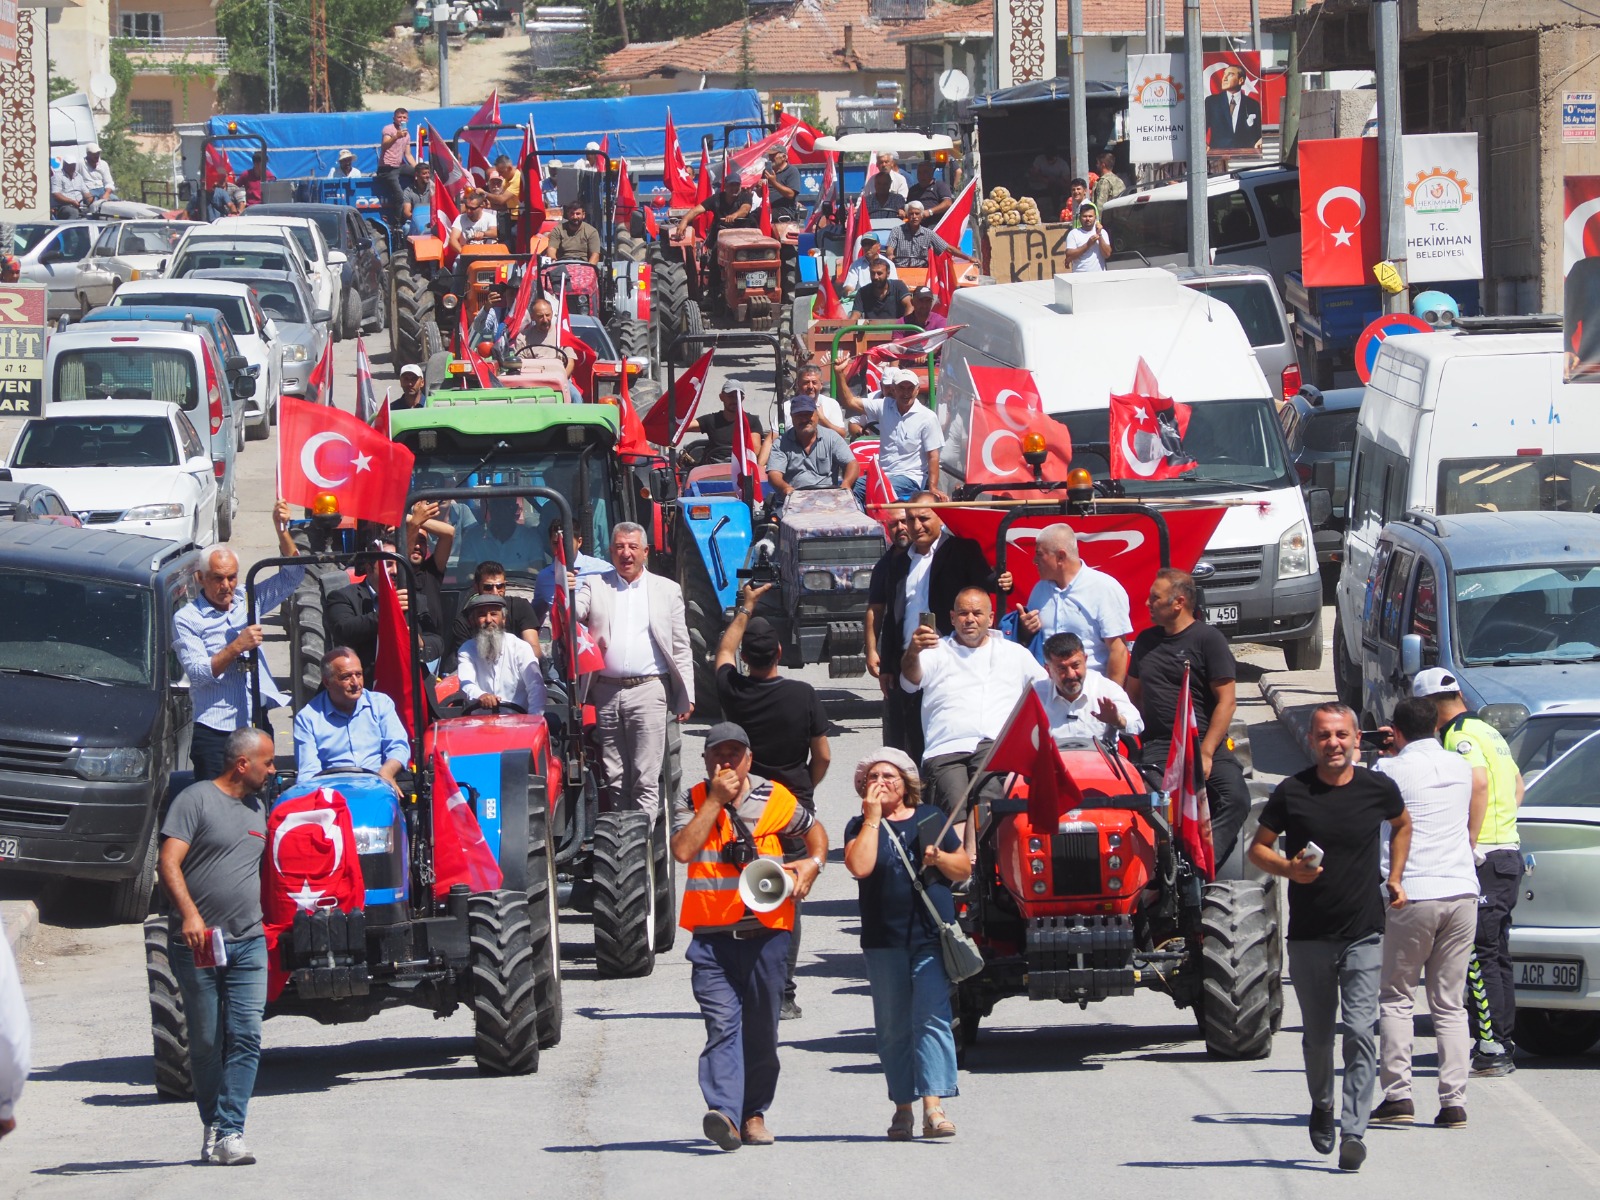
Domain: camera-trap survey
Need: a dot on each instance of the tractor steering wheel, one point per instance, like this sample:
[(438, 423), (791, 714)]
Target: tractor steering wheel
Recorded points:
[(477, 706)]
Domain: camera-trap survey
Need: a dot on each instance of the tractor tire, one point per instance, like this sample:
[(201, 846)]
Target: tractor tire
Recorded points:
[(646, 394), (669, 294), (1346, 674), (1556, 1033), (169, 1028), (666, 876), (694, 323), (632, 248), (624, 896), (704, 616), (632, 337), (432, 342), (544, 929), (129, 900), (350, 314), (504, 1003), (414, 309), (1241, 980)]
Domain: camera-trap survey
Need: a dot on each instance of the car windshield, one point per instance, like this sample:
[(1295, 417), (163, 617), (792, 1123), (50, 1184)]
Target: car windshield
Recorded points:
[(233, 308), (1330, 432), (514, 533), (280, 301), (150, 237), (61, 625), (1234, 441), (1255, 306), (1529, 614), (594, 337), (26, 237), (302, 235), (96, 442), (213, 258), (127, 372), (1535, 483), (1569, 783), (1542, 739)]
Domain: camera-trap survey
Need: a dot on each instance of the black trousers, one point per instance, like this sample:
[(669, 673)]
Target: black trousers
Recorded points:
[(205, 752), (1499, 880), (794, 851), (1227, 794), (902, 719)]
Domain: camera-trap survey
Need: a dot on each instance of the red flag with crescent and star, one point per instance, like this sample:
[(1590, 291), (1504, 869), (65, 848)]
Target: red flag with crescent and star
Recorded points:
[(311, 862), (669, 417), (1146, 432), (676, 169), (392, 672), (702, 193), (828, 306), (1184, 782), (480, 142), (1026, 747), (1006, 408), (1581, 287), (583, 370), (802, 140), (954, 222), (460, 855), (584, 650), (1340, 217), (327, 450)]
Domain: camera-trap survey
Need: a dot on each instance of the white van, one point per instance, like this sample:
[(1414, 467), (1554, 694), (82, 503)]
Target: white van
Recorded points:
[(1082, 336), (1476, 419)]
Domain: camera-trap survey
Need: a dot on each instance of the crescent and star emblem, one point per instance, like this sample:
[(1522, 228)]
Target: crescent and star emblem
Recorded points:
[(1341, 236), (308, 459)]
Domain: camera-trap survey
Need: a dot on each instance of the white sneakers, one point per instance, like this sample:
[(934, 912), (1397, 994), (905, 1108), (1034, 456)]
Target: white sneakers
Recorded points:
[(208, 1148), (232, 1152)]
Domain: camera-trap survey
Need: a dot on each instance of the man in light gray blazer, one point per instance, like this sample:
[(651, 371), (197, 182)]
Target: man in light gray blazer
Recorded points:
[(637, 619)]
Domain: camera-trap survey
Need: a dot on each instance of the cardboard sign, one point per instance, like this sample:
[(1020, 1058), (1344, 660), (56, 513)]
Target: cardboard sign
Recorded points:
[(22, 335), (1018, 253), (1157, 108)]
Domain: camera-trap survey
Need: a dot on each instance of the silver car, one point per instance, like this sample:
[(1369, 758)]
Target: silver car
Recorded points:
[(133, 250), (300, 331), (57, 255)]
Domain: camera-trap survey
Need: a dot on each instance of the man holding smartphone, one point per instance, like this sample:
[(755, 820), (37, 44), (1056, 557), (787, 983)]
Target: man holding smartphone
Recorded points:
[(1336, 913)]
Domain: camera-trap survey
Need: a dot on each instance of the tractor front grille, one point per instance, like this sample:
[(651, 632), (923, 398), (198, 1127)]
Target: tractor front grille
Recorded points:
[(1075, 863)]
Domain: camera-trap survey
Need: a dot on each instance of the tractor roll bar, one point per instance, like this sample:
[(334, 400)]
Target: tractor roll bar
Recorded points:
[(852, 330), (730, 338)]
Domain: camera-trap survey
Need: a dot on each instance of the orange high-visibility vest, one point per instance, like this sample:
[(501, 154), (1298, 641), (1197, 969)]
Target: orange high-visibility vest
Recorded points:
[(711, 889)]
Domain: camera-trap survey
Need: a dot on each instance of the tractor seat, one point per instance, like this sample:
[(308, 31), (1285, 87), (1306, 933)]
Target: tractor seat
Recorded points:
[(741, 238), (711, 479)]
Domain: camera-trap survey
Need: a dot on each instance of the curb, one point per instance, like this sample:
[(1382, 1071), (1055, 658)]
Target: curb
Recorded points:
[(1289, 706), (21, 919)]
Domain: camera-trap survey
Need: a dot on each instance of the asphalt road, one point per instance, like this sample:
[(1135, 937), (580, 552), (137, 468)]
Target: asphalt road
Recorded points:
[(1121, 1095)]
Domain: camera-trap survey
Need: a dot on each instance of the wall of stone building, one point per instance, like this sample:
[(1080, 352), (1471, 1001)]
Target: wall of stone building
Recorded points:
[(1502, 106), (1569, 59)]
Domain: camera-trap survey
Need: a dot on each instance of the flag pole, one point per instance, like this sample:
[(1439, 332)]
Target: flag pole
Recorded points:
[(966, 797)]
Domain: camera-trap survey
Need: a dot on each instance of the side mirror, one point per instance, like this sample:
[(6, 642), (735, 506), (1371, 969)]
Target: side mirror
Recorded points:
[(337, 258), (322, 316), (198, 466), (1319, 506), (5, 474), (1323, 475), (52, 255), (237, 364), (1410, 654), (244, 386), (364, 245)]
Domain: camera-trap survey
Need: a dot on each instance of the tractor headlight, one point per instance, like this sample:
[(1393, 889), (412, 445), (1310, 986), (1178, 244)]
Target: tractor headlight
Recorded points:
[(374, 839), (861, 580), (118, 765), (1035, 845), (1114, 884), (1038, 887), (817, 581), (1113, 840), (1294, 552), (1037, 865), (1114, 863)]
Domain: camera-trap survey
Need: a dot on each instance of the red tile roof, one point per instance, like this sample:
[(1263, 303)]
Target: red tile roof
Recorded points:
[(1100, 18)]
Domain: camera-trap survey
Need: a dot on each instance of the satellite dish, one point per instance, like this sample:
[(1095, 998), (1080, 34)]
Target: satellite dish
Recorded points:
[(954, 85), (102, 86)]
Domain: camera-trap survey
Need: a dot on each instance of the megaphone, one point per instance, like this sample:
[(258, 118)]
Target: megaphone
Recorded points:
[(764, 885)]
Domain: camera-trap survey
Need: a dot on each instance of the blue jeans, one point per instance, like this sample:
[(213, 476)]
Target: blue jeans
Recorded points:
[(738, 983), (911, 1016), (224, 1006), (904, 488)]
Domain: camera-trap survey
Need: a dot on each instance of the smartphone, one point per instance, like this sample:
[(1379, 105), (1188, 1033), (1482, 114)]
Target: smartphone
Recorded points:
[(927, 621), (1312, 855), (1376, 739)]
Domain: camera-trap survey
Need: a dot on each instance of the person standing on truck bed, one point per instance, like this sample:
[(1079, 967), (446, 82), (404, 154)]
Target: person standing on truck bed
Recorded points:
[(394, 155), (217, 649), (1155, 674)]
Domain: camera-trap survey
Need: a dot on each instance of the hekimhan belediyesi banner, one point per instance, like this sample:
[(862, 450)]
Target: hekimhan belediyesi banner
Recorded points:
[(1157, 114), (1444, 225)]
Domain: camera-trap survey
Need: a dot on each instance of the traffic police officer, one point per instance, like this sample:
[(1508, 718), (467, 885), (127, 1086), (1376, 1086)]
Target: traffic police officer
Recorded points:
[(1497, 793)]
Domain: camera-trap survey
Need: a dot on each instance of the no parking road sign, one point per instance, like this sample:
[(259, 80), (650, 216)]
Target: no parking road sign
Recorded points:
[(1387, 326)]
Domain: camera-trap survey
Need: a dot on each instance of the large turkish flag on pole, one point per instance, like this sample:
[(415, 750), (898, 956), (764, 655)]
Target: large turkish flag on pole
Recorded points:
[(329, 450), (1341, 214), (679, 178), (1006, 407)]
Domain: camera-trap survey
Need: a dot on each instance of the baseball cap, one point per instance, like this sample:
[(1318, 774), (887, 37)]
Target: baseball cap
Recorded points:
[(411, 369), (923, 290), (897, 375), (868, 237), (727, 731), (92, 148), (803, 403), (916, 205), (1435, 681), (760, 640), (483, 600), (344, 154)]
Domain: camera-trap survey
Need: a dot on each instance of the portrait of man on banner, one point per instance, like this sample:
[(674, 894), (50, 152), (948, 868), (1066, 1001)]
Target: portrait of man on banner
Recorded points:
[(1581, 292)]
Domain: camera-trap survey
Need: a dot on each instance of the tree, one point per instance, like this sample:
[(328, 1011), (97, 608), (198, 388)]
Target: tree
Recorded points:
[(129, 163), (355, 29)]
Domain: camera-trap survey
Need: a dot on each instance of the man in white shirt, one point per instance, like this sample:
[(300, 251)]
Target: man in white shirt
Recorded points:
[(970, 681), (474, 224), (637, 620), (495, 669), (97, 175), (1431, 934), (909, 437), (1073, 598), (860, 272), (1081, 702), (346, 167), (829, 414), (1089, 245)]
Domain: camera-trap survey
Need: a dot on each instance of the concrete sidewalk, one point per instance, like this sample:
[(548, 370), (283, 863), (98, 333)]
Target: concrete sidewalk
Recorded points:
[(21, 918), (1293, 694)]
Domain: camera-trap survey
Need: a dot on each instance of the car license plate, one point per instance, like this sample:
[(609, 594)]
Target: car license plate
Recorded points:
[(10, 848), (1544, 975), (755, 279), (1223, 614)]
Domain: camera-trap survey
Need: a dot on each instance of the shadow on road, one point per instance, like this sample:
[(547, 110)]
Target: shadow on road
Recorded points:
[(106, 1168), (1276, 1164), (602, 1014)]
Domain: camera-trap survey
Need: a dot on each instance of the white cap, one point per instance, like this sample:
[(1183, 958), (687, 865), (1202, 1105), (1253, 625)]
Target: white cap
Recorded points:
[(592, 146), (895, 375), (411, 369), (92, 148), (1435, 681)]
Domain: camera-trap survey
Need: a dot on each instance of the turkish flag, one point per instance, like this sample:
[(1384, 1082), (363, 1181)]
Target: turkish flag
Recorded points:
[(311, 862), (531, 200), (447, 168), (669, 417), (802, 140), (859, 226), (1126, 546), (880, 491), (460, 855), (326, 450), (480, 142), (320, 381), (1185, 783), (218, 169), (583, 651), (1146, 432), (1340, 215), (583, 372), (521, 305), (828, 305), (626, 201), (631, 436), (744, 460), (702, 192), (392, 670), (1581, 292), (366, 400), (679, 178), (1026, 748), (480, 369), (954, 222), (766, 212), (747, 159), (1006, 408), (380, 419)]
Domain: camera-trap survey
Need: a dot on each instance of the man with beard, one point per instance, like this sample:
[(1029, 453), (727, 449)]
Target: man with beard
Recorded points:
[(495, 669), (1081, 702)]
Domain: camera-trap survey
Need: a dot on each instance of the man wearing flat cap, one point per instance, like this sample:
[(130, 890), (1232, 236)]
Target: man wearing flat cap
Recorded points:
[(809, 455), (737, 953), (910, 243), (494, 668)]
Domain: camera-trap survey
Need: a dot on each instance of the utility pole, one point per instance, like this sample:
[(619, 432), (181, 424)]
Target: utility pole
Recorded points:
[(1155, 27), (1080, 120), (272, 56), (321, 98), (1290, 133), (1195, 115), (441, 17), (1391, 180), (1255, 25)]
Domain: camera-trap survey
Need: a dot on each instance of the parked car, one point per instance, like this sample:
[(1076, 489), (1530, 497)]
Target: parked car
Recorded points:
[(133, 250), (57, 255), (96, 721), (364, 292), (34, 502), (1254, 299), (298, 330), (226, 245), (1555, 931), (1508, 603), (234, 256), (165, 363), (131, 466), (250, 328), (1320, 430), (322, 271), (1545, 736)]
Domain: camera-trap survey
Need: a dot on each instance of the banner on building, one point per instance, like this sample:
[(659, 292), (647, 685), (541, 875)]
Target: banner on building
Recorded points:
[(22, 334), (1444, 225), (1025, 40), (1580, 262), (8, 33), (25, 123), (1157, 95), (1235, 118), (1340, 220)]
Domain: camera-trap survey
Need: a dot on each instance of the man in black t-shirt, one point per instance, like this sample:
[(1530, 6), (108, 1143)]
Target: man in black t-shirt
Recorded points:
[(718, 427), (1155, 675), (883, 299), (1336, 913), (784, 720), (783, 186)]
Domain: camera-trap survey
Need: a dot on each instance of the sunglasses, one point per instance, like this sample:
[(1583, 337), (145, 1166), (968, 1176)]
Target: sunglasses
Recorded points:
[(493, 587)]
